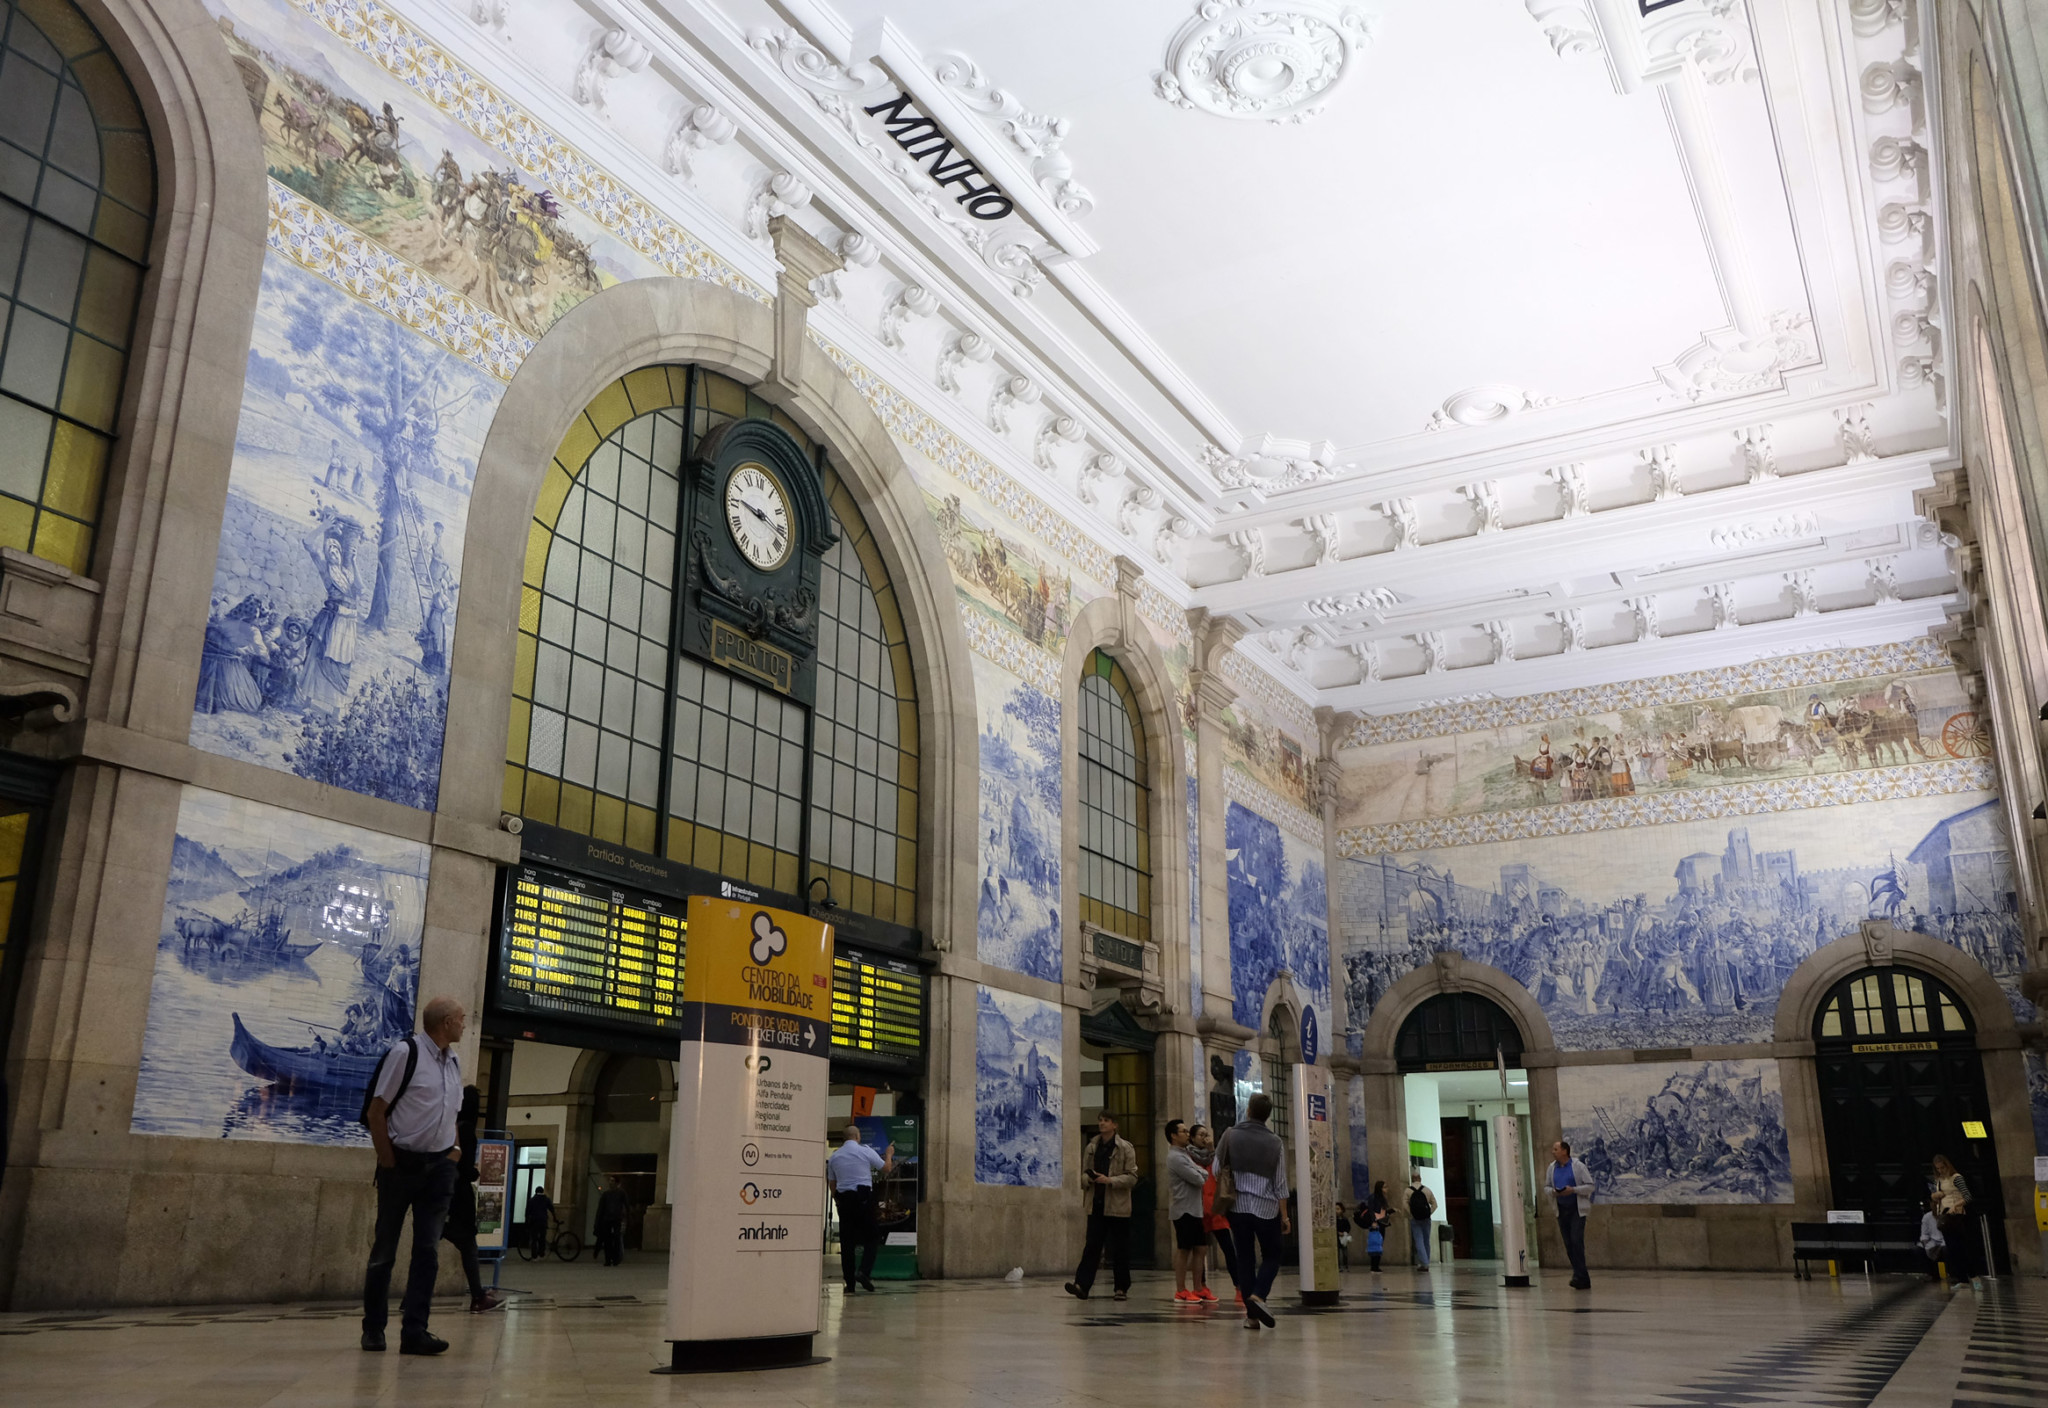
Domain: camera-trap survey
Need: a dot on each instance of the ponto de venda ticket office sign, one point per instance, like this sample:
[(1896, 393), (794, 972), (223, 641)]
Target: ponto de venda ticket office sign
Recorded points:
[(747, 1154)]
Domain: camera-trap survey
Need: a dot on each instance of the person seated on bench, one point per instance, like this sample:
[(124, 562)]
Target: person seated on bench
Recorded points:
[(1931, 1240)]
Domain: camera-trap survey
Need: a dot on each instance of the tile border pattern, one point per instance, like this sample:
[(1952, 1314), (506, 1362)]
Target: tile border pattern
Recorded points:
[(1241, 787), (1280, 703), (1664, 808), (339, 253), (1012, 651), (1784, 672), (417, 61), (1164, 612)]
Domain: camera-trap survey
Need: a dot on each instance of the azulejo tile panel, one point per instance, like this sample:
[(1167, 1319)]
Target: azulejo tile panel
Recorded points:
[(1789, 794), (1017, 908), (1684, 934), (1279, 914), (1679, 1132), (287, 962), (1297, 821), (1018, 1044), (317, 242), (1787, 672), (1280, 703), (1013, 652)]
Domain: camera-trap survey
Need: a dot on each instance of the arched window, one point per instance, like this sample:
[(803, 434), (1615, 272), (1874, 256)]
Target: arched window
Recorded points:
[(618, 735), (77, 191), (1280, 1071), (1457, 1027), (1116, 817), (1889, 1002)]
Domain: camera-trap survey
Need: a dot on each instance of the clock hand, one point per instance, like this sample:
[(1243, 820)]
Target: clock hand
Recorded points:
[(764, 518)]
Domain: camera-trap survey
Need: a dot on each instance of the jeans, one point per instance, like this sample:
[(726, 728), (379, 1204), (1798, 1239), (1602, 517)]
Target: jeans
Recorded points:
[(1418, 1233), (419, 1184), (1572, 1227), (1226, 1242), (1255, 1273), (611, 1242), (857, 1234), (1115, 1233), (459, 1232)]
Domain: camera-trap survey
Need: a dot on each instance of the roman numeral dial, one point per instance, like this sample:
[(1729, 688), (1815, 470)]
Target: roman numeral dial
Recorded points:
[(758, 518)]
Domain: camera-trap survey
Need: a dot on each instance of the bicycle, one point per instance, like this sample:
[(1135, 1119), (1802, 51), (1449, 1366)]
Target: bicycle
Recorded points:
[(565, 1244)]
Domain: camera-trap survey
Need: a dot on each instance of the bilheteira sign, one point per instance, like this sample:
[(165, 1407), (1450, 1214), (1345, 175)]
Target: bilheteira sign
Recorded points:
[(747, 1151)]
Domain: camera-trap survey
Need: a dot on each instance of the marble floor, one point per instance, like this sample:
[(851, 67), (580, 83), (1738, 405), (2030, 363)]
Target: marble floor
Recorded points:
[(583, 1335)]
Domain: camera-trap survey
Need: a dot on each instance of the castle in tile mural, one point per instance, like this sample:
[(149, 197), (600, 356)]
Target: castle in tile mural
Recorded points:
[(287, 962), (1279, 914), (1705, 1132), (1684, 934), (1018, 917), (1017, 1045), (335, 589)]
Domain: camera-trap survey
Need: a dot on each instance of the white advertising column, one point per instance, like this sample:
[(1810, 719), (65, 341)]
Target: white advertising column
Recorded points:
[(1507, 1181), (747, 1153), (1315, 1185)]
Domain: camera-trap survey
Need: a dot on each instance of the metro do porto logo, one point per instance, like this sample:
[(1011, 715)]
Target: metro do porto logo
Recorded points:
[(765, 984)]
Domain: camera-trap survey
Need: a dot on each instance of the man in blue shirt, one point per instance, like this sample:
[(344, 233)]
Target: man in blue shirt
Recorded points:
[(1572, 1184), (852, 1168)]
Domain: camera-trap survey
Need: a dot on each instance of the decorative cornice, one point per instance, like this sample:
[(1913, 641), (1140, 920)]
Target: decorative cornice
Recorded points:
[(1786, 672), (1659, 809)]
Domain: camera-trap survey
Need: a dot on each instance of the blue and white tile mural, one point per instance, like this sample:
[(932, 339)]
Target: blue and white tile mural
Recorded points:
[(1018, 915), (1361, 1168), (1248, 1071), (1279, 915), (1017, 1046), (1690, 1132), (340, 558), (287, 962), (1684, 934), (2037, 1092)]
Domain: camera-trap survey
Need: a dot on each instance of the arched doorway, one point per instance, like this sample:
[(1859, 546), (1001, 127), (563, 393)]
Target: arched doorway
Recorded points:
[(629, 1138), (1901, 1080), (1451, 1050)]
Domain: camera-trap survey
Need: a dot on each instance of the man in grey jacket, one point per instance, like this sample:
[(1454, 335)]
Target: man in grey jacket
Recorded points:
[(1571, 1183), (1185, 1180), (1257, 1160)]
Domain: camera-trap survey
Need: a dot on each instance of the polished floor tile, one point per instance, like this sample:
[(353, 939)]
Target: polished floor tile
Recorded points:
[(582, 1335)]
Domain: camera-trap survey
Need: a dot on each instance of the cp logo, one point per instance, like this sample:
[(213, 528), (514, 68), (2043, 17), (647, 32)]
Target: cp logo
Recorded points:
[(759, 1063)]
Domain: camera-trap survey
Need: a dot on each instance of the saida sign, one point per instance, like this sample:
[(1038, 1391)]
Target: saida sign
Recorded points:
[(750, 1114)]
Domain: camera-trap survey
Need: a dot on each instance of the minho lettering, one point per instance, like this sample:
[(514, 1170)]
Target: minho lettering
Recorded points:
[(931, 148)]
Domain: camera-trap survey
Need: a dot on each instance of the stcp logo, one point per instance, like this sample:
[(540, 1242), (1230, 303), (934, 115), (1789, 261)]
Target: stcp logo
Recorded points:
[(752, 1193)]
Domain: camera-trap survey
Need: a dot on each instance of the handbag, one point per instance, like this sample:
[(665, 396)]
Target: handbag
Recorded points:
[(1226, 1184), (1375, 1242)]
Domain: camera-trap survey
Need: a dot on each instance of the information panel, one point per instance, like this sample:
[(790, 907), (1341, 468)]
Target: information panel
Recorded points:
[(588, 950), (877, 1008)]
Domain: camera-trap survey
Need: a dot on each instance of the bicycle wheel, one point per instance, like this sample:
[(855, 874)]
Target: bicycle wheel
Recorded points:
[(568, 1246), (530, 1249)]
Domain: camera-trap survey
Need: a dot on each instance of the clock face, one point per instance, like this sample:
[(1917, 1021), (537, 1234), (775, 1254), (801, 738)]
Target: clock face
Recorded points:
[(757, 515)]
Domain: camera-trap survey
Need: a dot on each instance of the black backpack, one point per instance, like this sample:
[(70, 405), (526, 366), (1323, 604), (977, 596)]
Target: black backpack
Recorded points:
[(1418, 1202), (412, 1061)]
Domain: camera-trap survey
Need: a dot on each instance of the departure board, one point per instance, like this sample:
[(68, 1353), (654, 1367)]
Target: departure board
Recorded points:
[(877, 1008), (587, 950)]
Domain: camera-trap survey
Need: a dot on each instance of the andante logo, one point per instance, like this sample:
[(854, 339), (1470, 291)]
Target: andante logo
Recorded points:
[(764, 1232)]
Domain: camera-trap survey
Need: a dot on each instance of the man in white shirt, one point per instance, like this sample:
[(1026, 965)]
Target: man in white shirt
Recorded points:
[(411, 1115), (852, 1168)]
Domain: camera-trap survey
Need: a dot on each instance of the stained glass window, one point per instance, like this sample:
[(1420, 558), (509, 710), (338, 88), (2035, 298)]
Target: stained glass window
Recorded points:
[(77, 191), (1115, 813), (616, 734)]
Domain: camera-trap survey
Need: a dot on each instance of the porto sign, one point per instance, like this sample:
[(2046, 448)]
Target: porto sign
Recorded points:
[(925, 143)]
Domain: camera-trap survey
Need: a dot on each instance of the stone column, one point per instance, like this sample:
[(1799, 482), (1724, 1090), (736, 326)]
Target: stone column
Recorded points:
[(1221, 1034)]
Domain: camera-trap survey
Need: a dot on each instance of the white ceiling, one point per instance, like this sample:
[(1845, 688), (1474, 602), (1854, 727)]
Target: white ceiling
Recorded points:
[(1699, 304)]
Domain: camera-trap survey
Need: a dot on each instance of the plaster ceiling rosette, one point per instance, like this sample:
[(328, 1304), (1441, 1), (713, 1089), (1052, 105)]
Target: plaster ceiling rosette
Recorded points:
[(1261, 60)]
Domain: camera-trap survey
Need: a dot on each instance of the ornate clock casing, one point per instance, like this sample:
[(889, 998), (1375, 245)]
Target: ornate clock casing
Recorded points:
[(759, 622)]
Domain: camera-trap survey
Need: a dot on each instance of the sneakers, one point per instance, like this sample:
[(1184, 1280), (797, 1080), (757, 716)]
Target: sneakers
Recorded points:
[(1075, 1291), (1250, 1324), (1187, 1296), (1121, 1295), (1204, 1294), (373, 1341), (489, 1300), (1256, 1308), (423, 1343), (1240, 1300)]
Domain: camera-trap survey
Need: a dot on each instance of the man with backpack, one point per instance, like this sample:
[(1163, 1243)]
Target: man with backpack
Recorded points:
[(411, 1109), (1421, 1208)]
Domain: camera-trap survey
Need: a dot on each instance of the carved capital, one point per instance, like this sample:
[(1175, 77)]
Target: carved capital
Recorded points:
[(1450, 971), (1214, 636), (803, 259), (1878, 938), (1129, 574)]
